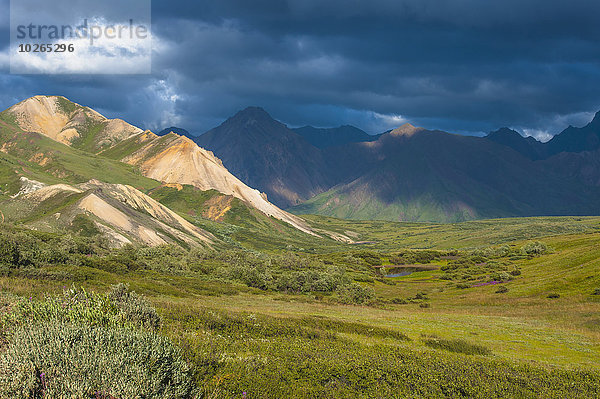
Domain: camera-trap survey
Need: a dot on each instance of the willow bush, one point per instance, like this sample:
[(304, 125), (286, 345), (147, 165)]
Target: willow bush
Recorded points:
[(89, 345)]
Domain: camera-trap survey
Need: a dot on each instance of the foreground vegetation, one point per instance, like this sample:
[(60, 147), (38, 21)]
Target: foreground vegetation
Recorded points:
[(492, 317)]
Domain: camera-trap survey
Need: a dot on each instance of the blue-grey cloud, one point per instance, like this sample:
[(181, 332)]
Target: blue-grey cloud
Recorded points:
[(463, 65)]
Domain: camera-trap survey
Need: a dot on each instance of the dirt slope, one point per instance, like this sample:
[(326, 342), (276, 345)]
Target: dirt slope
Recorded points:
[(70, 123), (177, 159), (122, 213)]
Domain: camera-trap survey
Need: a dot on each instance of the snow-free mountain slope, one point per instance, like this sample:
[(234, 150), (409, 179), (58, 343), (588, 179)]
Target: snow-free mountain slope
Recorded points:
[(177, 159), (70, 123), (265, 154)]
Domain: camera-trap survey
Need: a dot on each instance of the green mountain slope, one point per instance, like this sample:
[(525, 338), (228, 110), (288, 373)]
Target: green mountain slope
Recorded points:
[(68, 123), (425, 175), (37, 156), (119, 213), (50, 159)]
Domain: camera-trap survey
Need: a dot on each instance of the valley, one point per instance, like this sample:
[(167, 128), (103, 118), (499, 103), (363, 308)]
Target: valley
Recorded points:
[(272, 324), (151, 239)]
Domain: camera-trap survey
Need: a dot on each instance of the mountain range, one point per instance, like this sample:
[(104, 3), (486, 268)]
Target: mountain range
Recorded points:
[(63, 165), (411, 173), (263, 152), (84, 165), (334, 136)]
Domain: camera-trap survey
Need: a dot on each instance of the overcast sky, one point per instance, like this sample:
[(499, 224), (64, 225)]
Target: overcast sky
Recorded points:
[(465, 66)]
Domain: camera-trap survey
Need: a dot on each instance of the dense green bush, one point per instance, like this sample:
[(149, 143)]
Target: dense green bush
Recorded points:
[(75, 305), (497, 252), (22, 249), (120, 308), (355, 294), (57, 360), (27, 254), (312, 280), (169, 258), (502, 276), (535, 248), (403, 258), (425, 256), (596, 291), (255, 275), (86, 345), (370, 258), (420, 256), (134, 307)]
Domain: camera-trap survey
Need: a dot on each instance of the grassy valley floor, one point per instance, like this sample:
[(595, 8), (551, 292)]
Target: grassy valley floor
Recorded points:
[(491, 314)]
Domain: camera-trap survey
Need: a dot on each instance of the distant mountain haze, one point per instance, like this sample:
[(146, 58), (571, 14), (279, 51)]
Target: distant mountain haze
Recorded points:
[(526, 146), (572, 140), (408, 173), (419, 175)]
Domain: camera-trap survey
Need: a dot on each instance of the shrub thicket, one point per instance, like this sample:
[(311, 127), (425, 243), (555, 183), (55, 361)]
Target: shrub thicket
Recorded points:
[(355, 294), (57, 359), (133, 307), (87, 345), (535, 248)]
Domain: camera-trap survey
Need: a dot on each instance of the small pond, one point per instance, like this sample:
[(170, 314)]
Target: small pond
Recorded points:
[(402, 274), (403, 271)]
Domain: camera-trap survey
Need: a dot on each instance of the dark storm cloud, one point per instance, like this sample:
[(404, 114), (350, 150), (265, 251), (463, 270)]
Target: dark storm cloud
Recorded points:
[(462, 65)]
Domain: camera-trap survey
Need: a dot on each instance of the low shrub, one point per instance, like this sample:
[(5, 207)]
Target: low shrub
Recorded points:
[(59, 359), (350, 327), (370, 258), (311, 280), (253, 275), (33, 249), (354, 294), (596, 291), (134, 307), (553, 295), (502, 276), (75, 305), (120, 308), (535, 248), (85, 345), (501, 290), (425, 256)]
